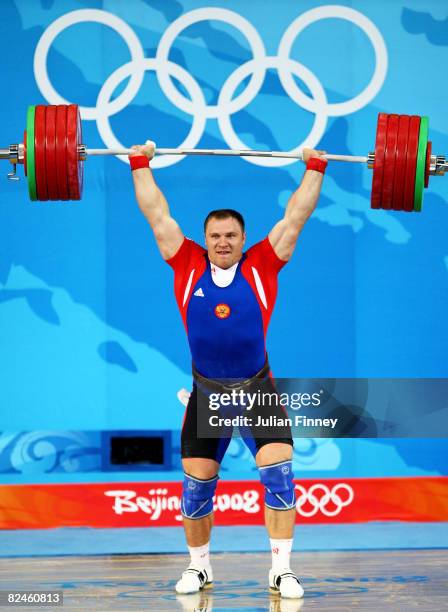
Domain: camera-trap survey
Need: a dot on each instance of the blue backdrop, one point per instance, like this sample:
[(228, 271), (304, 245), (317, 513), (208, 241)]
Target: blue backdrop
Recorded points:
[(91, 339)]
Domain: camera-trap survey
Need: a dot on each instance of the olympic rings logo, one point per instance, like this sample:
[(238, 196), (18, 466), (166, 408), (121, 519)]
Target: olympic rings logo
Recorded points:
[(227, 105), (320, 502)]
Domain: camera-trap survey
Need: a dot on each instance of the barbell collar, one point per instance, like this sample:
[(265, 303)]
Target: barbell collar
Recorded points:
[(15, 153), (438, 165)]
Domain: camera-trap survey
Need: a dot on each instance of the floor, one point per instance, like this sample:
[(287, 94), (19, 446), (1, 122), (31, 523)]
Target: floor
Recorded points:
[(395, 580)]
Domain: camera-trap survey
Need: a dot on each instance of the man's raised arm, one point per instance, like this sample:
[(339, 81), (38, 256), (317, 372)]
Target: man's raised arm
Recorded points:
[(152, 202), (283, 236)]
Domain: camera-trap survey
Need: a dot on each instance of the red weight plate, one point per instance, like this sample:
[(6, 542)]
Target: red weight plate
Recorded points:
[(411, 163), (378, 166), (73, 139), (39, 152), (61, 151), (428, 162), (400, 162), (24, 152), (80, 161), (387, 189), (50, 153)]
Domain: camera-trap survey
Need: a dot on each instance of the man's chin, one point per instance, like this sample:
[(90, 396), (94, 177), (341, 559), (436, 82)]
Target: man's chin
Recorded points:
[(223, 261)]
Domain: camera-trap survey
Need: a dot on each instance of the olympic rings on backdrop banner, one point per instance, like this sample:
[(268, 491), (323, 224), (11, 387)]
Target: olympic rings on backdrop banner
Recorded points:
[(81, 16), (320, 503), (184, 77), (197, 106)]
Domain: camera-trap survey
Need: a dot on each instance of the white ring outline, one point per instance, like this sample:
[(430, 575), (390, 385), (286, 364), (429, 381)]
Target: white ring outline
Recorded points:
[(375, 37), (80, 16), (208, 14), (198, 123), (240, 74)]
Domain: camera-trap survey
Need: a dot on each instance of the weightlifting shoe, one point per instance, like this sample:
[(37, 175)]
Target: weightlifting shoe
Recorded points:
[(194, 579), (285, 583)]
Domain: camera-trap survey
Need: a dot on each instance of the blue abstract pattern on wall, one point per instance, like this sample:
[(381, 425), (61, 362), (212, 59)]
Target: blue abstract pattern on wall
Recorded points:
[(91, 337)]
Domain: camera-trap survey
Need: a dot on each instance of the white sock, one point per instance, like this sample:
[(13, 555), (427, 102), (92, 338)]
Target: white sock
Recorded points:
[(200, 555), (281, 551)]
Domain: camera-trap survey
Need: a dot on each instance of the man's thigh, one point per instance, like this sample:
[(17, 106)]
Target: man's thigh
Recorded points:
[(193, 444)]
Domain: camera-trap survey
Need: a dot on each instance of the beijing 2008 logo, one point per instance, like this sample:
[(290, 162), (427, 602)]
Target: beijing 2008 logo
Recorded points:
[(196, 105)]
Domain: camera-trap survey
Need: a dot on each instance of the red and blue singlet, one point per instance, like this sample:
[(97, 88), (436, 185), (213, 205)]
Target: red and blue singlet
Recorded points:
[(226, 326)]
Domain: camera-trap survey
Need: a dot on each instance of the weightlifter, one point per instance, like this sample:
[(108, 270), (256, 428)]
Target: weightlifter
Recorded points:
[(226, 297)]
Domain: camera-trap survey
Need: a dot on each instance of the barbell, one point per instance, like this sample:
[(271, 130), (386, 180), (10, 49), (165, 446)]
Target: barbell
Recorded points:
[(53, 156)]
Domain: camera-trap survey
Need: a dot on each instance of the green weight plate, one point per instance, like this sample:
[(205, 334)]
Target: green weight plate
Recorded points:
[(30, 163), (421, 164)]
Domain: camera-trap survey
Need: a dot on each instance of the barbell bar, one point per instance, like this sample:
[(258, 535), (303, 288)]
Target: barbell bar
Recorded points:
[(228, 152), (53, 155)]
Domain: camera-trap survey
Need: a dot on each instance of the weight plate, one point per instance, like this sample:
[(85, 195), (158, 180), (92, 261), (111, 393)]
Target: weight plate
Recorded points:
[(74, 166), (50, 153), (378, 166), (61, 151), (428, 162), (400, 162), (24, 152), (387, 189), (31, 171), (39, 152), (80, 161), (421, 164), (411, 163)]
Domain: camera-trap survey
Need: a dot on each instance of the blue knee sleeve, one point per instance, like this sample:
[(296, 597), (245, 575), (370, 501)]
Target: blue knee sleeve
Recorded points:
[(277, 480), (197, 497)]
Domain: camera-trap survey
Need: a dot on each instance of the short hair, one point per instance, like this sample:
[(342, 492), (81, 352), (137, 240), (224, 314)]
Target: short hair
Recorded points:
[(225, 213)]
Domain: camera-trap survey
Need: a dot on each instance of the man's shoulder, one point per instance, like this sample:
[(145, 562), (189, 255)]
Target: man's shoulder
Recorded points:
[(188, 252), (260, 249), (263, 254), (194, 247)]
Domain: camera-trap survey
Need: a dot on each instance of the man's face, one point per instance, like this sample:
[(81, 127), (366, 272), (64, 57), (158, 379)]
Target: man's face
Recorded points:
[(224, 239)]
